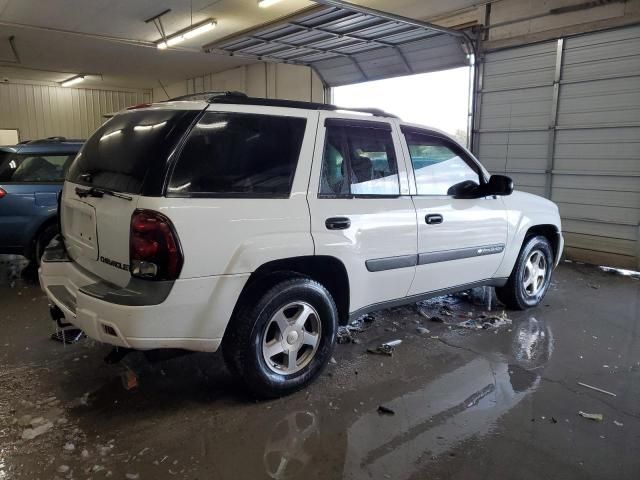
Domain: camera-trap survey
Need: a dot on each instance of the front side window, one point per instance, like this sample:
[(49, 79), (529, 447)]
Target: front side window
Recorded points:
[(239, 154), (35, 167), (439, 166), (358, 161)]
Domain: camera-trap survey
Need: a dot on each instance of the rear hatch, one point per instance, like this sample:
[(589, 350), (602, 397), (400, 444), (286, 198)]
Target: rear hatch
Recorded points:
[(123, 160)]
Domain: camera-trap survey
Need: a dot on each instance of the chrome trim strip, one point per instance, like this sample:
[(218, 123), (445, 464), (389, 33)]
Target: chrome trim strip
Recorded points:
[(459, 253), (391, 263)]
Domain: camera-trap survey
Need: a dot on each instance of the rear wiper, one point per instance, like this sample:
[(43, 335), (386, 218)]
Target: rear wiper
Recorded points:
[(99, 193)]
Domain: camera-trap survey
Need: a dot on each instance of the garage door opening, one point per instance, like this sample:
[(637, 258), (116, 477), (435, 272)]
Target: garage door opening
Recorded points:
[(436, 99)]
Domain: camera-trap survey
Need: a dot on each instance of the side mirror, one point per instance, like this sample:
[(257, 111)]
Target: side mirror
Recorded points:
[(499, 185), (466, 189)]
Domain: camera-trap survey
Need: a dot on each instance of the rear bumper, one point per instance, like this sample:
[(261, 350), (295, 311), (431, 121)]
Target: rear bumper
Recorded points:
[(192, 315)]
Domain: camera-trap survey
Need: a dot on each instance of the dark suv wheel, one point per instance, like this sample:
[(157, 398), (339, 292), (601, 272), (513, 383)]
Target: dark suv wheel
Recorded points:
[(281, 339), (531, 276), (42, 241)]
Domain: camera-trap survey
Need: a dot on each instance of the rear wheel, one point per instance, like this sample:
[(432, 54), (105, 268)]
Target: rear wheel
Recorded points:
[(531, 275), (280, 340)]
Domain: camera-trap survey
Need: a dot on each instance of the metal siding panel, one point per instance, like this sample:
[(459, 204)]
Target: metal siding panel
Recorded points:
[(624, 232), (599, 213), (40, 111), (528, 108), (609, 198), (596, 154), (601, 244)]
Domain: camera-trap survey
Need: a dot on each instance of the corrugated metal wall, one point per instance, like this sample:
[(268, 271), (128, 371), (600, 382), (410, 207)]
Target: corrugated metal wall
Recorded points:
[(40, 111), (268, 80), (563, 119)]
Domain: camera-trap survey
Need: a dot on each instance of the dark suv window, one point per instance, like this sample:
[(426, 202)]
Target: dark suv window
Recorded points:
[(130, 146), (35, 167), (239, 154)]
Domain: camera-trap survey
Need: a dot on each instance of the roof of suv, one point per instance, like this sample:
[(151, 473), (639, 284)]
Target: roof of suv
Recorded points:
[(239, 98), (51, 144)]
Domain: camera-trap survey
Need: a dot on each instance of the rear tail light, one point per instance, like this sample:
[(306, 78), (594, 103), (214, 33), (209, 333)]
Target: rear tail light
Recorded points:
[(154, 248), (2, 193)]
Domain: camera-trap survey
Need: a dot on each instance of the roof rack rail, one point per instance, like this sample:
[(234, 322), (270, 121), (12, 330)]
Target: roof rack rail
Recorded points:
[(271, 102), (207, 96), (232, 97), (57, 139)]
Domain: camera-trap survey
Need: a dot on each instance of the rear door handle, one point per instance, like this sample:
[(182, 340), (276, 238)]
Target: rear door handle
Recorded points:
[(337, 223), (433, 219)]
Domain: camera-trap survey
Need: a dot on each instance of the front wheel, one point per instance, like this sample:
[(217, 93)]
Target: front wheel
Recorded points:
[(531, 275), (282, 339)]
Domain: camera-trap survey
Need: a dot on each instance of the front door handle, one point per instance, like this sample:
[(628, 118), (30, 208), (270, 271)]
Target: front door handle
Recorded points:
[(433, 218), (337, 223)]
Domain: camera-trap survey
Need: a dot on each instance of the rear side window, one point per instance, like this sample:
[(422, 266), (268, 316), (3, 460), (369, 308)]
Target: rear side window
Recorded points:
[(239, 154), (359, 161), (34, 168), (121, 153)]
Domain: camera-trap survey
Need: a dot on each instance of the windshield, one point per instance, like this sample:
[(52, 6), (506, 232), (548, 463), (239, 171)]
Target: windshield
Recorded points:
[(120, 154), (34, 167)]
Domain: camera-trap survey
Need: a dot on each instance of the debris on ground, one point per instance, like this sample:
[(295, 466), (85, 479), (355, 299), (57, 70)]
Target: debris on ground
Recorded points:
[(31, 433), (617, 423), (422, 330), (598, 417), (486, 321), (84, 399), (596, 389), (386, 348), (446, 311), (69, 447), (333, 361), (346, 333), (132, 476), (63, 468), (129, 379), (382, 410)]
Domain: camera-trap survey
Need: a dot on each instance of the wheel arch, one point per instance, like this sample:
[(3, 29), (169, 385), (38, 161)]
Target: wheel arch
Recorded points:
[(34, 234), (327, 270), (550, 232)]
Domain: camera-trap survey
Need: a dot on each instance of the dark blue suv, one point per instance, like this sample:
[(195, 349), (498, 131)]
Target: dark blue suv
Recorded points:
[(31, 175)]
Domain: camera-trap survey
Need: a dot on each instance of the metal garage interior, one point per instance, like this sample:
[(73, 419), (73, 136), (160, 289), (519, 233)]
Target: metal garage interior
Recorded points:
[(110, 371), (559, 116), (563, 119)]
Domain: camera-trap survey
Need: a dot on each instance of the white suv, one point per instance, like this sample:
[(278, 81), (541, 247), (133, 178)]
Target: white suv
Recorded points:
[(261, 225)]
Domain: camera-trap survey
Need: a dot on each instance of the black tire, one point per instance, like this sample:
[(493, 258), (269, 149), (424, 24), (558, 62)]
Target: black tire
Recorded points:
[(514, 294), (243, 343), (43, 240)]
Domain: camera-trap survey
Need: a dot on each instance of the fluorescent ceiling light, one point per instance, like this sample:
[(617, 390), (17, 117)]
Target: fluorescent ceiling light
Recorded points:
[(205, 27), (267, 3), (72, 81), (187, 34)]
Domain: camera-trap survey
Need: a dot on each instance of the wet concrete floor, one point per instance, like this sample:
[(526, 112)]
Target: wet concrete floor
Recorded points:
[(499, 402)]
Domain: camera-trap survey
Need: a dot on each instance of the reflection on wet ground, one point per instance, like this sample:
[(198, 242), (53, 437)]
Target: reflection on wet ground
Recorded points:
[(498, 400)]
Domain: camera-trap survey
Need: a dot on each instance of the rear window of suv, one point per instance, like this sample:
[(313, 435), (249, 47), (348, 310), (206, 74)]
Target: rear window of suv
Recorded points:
[(131, 145), (34, 167), (239, 155)]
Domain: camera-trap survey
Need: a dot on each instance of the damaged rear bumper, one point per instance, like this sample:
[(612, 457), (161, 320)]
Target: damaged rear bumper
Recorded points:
[(187, 314)]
